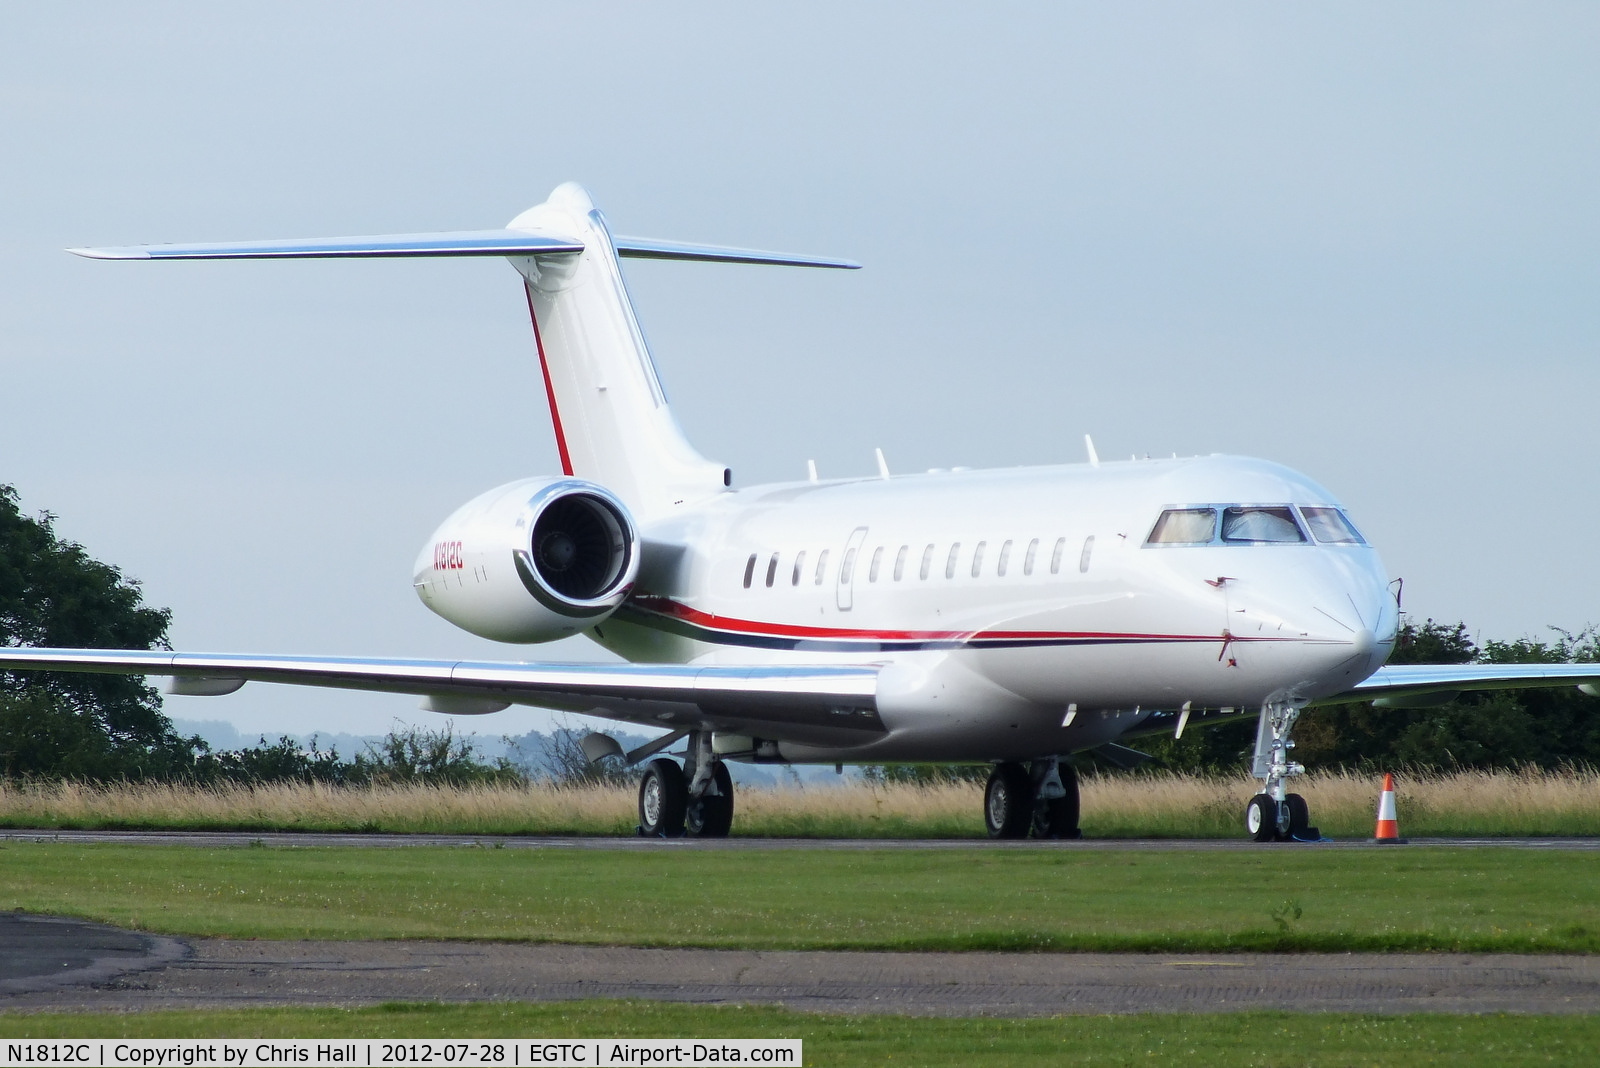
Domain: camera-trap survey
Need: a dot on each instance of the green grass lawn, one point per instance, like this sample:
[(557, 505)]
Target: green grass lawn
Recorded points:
[(1483, 899), (1235, 1039)]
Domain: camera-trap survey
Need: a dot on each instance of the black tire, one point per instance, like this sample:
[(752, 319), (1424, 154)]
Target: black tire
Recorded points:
[(1299, 818), (711, 815), (663, 798), (1008, 802), (1261, 818), (1058, 818)]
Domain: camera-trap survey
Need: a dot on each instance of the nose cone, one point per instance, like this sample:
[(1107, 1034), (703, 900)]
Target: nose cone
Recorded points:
[(1319, 622), (1367, 654), (1334, 667)]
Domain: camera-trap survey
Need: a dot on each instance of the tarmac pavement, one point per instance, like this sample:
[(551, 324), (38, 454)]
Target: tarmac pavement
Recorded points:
[(53, 964)]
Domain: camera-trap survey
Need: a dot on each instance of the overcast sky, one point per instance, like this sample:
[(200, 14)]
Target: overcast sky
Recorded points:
[(1359, 239)]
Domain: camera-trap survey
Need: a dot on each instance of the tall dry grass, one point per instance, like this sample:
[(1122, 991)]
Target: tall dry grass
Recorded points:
[(1531, 802), (1343, 804)]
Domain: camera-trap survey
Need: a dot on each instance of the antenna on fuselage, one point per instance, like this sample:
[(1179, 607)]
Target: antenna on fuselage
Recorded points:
[(883, 465), (1094, 457), (811, 470)]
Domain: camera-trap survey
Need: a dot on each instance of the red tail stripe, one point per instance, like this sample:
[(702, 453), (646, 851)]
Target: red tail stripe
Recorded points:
[(549, 390)]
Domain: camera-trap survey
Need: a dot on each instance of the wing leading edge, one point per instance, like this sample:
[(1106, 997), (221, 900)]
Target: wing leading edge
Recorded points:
[(1402, 685), (809, 699)]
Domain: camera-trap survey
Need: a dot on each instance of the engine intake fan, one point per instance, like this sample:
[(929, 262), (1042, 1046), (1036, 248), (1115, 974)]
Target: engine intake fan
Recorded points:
[(580, 554)]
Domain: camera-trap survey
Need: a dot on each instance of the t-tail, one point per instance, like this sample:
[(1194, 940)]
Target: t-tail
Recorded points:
[(610, 416)]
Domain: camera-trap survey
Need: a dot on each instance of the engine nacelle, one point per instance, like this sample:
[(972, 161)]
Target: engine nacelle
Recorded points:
[(531, 561)]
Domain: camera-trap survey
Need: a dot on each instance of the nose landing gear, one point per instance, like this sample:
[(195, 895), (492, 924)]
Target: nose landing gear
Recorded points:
[(1041, 798), (1275, 815)]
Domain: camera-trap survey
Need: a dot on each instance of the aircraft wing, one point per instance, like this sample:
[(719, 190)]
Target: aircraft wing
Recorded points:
[(825, 698), (1422, 685)]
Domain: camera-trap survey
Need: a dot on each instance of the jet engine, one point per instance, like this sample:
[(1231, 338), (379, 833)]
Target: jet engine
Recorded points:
[(531, 561)]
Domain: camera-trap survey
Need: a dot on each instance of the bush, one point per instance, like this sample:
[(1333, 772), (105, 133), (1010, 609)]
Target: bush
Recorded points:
[(436, 758)]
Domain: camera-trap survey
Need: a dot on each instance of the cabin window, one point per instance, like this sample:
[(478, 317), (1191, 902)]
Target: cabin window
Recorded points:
[(847, 569), (977, 558), (927, 562), (1331, 526), (950, 564), (1027, 557), (1055, 557), (749, 570), (822, 566), (1258, 525), (1083, 557), (877, 558), (1185, 526), (1005, 558), (799, 566), (900, 562), (772, 569)]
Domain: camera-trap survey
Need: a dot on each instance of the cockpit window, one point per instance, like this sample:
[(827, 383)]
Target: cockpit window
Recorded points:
[(1331, 526), (1260, 524), (1184, 526)]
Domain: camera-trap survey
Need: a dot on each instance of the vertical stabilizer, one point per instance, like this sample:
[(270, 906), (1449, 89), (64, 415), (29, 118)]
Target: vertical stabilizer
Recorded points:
[(611, 419)]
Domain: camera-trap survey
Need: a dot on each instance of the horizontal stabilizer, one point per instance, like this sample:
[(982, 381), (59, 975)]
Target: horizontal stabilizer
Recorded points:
[(648, 248), (461, 243)]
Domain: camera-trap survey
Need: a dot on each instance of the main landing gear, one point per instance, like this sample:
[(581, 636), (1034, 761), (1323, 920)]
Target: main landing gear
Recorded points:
[(1275, 815), (696, 799), (1041, 799)]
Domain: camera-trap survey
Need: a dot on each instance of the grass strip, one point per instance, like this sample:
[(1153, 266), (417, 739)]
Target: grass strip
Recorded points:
[(1233, 1039), (1159, 804), (1285, 899)]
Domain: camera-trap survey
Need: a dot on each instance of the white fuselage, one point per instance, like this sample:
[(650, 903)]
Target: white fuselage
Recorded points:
[(1015, 613), (1006, 602)]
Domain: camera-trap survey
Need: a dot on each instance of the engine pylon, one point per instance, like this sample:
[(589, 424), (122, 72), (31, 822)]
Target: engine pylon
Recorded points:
[(1388, 829)]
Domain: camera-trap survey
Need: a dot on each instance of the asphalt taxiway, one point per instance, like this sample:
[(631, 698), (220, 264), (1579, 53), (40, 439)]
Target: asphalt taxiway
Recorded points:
[(56, 965)]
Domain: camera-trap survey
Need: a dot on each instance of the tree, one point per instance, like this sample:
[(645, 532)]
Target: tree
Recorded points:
[(53, 594)]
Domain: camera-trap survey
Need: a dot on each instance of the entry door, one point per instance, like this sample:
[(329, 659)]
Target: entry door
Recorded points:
[(849, 564)]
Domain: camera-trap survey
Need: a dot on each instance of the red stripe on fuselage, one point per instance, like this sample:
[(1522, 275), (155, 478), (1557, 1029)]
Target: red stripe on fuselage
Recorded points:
[(673, 609), (549, 389)]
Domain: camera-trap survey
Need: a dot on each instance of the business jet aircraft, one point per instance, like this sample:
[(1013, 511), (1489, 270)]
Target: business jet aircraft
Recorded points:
[(1014, 616)]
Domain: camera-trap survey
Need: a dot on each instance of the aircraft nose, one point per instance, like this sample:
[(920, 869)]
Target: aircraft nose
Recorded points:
[(1366, 644), (1355, 654), (1332, 611)]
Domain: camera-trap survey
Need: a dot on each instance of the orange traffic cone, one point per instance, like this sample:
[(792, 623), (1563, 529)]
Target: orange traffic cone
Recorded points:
[(1388, 831)]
